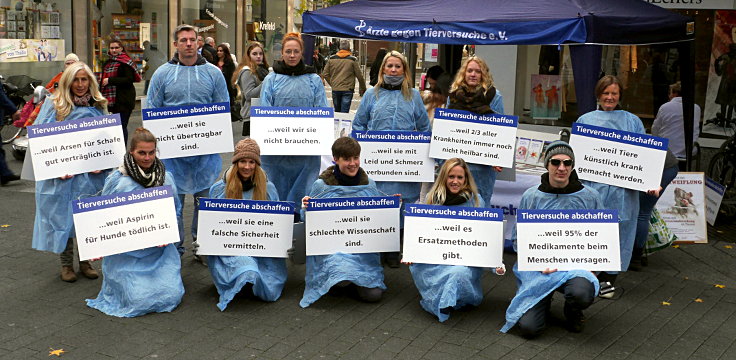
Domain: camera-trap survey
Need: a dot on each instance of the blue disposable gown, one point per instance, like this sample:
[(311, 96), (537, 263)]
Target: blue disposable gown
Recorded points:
[(484, 175), (448, 286), (54, 224), (292, 175), (626, 201), (324, 271), (533, 286), (178, 85), (142, 281), (391, 112), (231, 273)]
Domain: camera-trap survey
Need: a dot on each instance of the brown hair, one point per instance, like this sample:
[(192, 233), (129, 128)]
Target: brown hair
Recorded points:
[(183, 27), (438, 193), (246, 61), (345, 147), (486, 81), (140, 134), (605, 82), (292, 36), (234, 184)]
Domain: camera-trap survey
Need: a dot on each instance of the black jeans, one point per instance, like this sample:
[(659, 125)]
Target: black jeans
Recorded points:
[(579, 295)]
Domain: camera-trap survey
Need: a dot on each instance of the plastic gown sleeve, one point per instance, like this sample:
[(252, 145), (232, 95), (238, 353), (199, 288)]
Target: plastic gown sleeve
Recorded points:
[(231, 273), (626, 201), (448, 286), (533, 286), (324, 271), (178, 85), (143, 281), (54, 224)]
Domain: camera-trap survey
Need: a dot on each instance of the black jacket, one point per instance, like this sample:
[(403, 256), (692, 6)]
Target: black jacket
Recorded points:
[(125, 91), (212, 51)]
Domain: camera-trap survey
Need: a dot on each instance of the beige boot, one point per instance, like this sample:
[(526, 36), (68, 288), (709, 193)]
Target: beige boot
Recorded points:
[(87, 270), (67, 274)]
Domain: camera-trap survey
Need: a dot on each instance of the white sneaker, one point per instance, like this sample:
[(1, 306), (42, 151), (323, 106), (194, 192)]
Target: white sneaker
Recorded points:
[(606, 290)]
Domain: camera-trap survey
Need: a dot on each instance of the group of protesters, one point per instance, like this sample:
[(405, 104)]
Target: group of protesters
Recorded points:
[(149, 280)]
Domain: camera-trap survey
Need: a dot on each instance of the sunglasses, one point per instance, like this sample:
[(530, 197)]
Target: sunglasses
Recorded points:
[(556, 162)]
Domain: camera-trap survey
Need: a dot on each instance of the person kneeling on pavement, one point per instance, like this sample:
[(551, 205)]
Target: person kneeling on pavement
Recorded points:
[(360, 274), (560, 190)]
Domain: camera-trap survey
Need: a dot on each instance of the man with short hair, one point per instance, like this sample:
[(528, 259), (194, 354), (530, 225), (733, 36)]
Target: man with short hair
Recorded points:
[(188, 79), (209, 46), (206, 54), (560, 190), (340, 72), (669, 123)]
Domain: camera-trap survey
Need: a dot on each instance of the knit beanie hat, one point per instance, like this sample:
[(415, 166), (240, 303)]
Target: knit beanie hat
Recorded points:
[(247, 149), (558, 147)]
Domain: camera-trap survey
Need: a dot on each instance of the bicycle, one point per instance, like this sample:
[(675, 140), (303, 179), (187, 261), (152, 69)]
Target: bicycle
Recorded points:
[(722, 169)]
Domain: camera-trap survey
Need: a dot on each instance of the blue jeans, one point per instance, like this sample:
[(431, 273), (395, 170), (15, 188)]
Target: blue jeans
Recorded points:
[(195, 217), (342, 100), (646, 204)]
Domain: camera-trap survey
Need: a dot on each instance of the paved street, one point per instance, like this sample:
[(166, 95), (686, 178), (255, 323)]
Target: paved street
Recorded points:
[(39, 312)]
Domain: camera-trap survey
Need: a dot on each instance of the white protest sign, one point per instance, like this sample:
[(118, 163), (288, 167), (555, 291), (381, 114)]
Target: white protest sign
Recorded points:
[(293, 130), (245, 227), (713, 196), (401, 156), (568, 240), (453, 235), (619, 158), (190, 130), (682, 207), (123, 222), (478, 139), (352, 225), (76, 146)]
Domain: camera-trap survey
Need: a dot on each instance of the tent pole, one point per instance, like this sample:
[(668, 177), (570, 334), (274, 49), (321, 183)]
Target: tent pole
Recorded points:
[(687, 77)]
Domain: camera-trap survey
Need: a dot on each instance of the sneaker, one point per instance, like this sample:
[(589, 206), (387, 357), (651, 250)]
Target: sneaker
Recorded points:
[(607, 290), (575, 319), (87, 270), (68, 274)]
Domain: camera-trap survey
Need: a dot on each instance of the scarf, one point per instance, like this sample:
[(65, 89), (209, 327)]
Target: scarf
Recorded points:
[(261, 71), (456, 199), (573, 186), (478, 102), (247, 184), (153, 177), (328, 176), (110, 70), (280, 67), (345, 180), (83, 100)]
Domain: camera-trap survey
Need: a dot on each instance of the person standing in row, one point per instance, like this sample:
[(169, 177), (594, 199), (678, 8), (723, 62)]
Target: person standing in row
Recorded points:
[(263, 277), (341, 71), (392, 105), (294, 84), (77, 97), (248, 77), (116, 83), (147, 280), (188, 79), (473, 91), (560, 190)]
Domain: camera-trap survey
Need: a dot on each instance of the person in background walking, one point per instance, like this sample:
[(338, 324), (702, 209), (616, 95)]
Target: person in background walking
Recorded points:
[(116, 83), (341, 71), (376, 66), (227, 66)]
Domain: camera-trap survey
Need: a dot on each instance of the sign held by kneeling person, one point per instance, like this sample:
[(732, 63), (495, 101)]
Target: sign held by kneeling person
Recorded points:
[(293, 130), (453, 235), (76, 146), (352, 225), (401, 156), (568, 240), (245, 227), (118, 223), (190, 130)]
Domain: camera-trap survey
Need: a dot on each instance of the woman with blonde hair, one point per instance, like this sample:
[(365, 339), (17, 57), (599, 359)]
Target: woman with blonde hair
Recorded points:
[(393, 105), (448, 287), (263, 277), (77, 96), (473, 90), (248, 77)]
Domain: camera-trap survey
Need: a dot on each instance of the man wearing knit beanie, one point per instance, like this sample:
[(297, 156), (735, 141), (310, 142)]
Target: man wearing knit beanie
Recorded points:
[(562, 160)]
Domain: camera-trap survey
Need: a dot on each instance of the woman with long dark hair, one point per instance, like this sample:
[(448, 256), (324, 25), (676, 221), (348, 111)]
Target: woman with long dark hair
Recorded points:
[(227, 66)]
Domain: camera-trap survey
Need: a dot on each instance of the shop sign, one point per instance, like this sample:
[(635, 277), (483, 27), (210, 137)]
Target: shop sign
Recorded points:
[(267, 25), (31, 50), (693, 4)]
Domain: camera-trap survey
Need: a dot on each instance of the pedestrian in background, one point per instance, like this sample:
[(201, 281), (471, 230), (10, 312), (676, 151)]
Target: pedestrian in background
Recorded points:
[(248, 77), (340, 72), (77, 97), (116, 83), (376, 66), (227, 66)]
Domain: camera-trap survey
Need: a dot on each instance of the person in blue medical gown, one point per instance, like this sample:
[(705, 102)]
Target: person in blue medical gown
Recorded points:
[(445, 288), (263, 277), (77, 97), (147, 280), (560, 190), (292, 84), (360, 274)]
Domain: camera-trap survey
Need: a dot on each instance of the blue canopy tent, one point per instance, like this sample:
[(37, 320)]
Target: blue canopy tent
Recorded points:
[(521, 22)]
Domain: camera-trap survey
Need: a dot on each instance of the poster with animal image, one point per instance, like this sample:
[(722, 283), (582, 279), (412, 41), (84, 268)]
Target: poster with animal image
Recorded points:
[(546, 96), (682, 206), (720, 97)]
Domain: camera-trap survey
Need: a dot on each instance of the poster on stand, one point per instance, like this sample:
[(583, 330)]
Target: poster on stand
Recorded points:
[(713, 196), (682, 207)]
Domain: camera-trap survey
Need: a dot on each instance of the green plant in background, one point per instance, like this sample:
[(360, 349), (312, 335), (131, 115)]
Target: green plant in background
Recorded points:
[(306, 5)]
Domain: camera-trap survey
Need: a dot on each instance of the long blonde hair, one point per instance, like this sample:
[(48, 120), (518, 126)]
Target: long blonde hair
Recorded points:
[(63, 102), (234, 186), (486, 81), (405, 89), (438, 193), (247, 61)]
